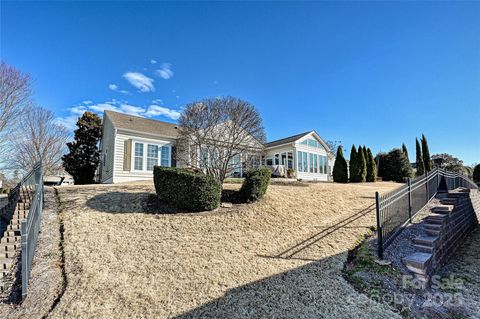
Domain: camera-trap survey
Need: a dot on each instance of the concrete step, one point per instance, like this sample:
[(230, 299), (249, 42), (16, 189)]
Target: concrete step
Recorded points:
[(10, 246), (432, 226), (456, 194), (443, 209), (8, 233), (448, 201), (13, 227), (6, 263), (8, 254), (432, 232), (423, 248), (4, 273), (418, 262), (435, 220), (11, 239), (426, 240)]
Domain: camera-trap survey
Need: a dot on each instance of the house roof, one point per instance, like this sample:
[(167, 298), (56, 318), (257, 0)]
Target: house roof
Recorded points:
[(286, 140), (294, 138), (141, 124)]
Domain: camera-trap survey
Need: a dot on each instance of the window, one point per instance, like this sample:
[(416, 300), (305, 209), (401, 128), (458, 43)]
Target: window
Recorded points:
[(165, 160), (312, 142), (311, 162), (269, 162), (305, 162), (324, 165), (138, 162), (299, 161), (304, 142), (277, 159), (152, 156), (315, 163), (289, 160)]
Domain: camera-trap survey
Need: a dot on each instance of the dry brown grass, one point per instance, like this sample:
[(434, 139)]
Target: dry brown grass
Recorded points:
[(233, 263)]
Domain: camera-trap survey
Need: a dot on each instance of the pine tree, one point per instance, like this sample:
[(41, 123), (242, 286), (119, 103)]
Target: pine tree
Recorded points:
[(84, 156), (419, 159), (340, 169), (353, 167), (405, 151), (362, 165), (427, 162), (371, 167)]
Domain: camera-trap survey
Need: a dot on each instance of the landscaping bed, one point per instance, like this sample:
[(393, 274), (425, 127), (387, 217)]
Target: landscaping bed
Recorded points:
[(126, 255)]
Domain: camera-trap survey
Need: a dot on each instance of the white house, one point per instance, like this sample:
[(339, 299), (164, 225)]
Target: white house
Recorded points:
[(131, 146), (306, 153)]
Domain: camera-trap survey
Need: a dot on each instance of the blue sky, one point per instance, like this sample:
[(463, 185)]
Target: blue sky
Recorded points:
[(375, 73)]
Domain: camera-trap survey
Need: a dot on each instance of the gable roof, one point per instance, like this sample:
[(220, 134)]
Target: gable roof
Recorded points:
[(294, 138), (141, 124), (286, 140)]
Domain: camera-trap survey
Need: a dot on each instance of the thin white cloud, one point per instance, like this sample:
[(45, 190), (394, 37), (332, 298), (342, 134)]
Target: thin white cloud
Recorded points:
[(114, 88), (157, 110), (130, 109), (152, 61), (140, 81), (165, 71), (87, 102), (157, 101)]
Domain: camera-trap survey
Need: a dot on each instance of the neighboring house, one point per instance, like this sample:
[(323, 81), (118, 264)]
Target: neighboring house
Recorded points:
[(131, 146), (306, 153)]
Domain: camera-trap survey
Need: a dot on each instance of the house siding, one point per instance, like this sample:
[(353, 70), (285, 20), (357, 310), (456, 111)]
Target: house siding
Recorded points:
[(107, 151), (122, 175)]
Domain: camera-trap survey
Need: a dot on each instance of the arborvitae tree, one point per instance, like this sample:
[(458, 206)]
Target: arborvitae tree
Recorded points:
[(353, 167), (427, 162), (82, 160), (405, 151), (419, 159), (397, 166), (371, 167), (362, 163), (340, 169)]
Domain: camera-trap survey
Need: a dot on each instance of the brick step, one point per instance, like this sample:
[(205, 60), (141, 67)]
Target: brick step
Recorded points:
[(6, 263), (423, 248), (426, 240), (418, 262), (432, 226), (11, 239)]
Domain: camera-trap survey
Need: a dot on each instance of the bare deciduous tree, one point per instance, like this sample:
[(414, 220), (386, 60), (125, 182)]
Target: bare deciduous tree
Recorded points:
[(14, 97), (219, 135), (38, 137)]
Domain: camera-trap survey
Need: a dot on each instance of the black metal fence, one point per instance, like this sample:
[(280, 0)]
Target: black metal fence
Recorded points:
[(396, 208), (31, 225)]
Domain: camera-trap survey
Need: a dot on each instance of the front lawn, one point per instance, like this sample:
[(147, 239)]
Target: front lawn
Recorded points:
[(280, 257)]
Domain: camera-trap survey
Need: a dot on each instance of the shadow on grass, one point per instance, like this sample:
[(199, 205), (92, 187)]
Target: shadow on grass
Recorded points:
[(145, 202)]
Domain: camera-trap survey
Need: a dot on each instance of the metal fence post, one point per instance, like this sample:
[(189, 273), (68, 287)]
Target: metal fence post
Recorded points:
[(409, 199), (426, 186), (379, 226), (24, 258)]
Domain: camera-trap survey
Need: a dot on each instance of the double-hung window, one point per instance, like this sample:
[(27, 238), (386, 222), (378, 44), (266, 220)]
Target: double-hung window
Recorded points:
[(147, 155), (138, 161)]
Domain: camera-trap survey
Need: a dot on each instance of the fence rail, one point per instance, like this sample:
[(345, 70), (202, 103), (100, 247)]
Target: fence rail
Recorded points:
[(31, 225), (397, 208)]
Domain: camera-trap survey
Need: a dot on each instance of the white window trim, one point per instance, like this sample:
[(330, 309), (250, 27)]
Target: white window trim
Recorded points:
[(145, 151)]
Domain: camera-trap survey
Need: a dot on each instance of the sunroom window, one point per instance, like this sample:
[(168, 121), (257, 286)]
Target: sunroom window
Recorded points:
[(152, 156), (138, 161)]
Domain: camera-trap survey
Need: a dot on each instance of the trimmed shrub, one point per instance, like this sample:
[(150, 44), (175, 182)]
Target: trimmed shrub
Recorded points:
[(255, 184), (340, 168), (185, 189)]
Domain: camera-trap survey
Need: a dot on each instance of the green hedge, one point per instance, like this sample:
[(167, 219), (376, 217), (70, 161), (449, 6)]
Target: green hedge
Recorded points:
[(255, 184), (185, 189)]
